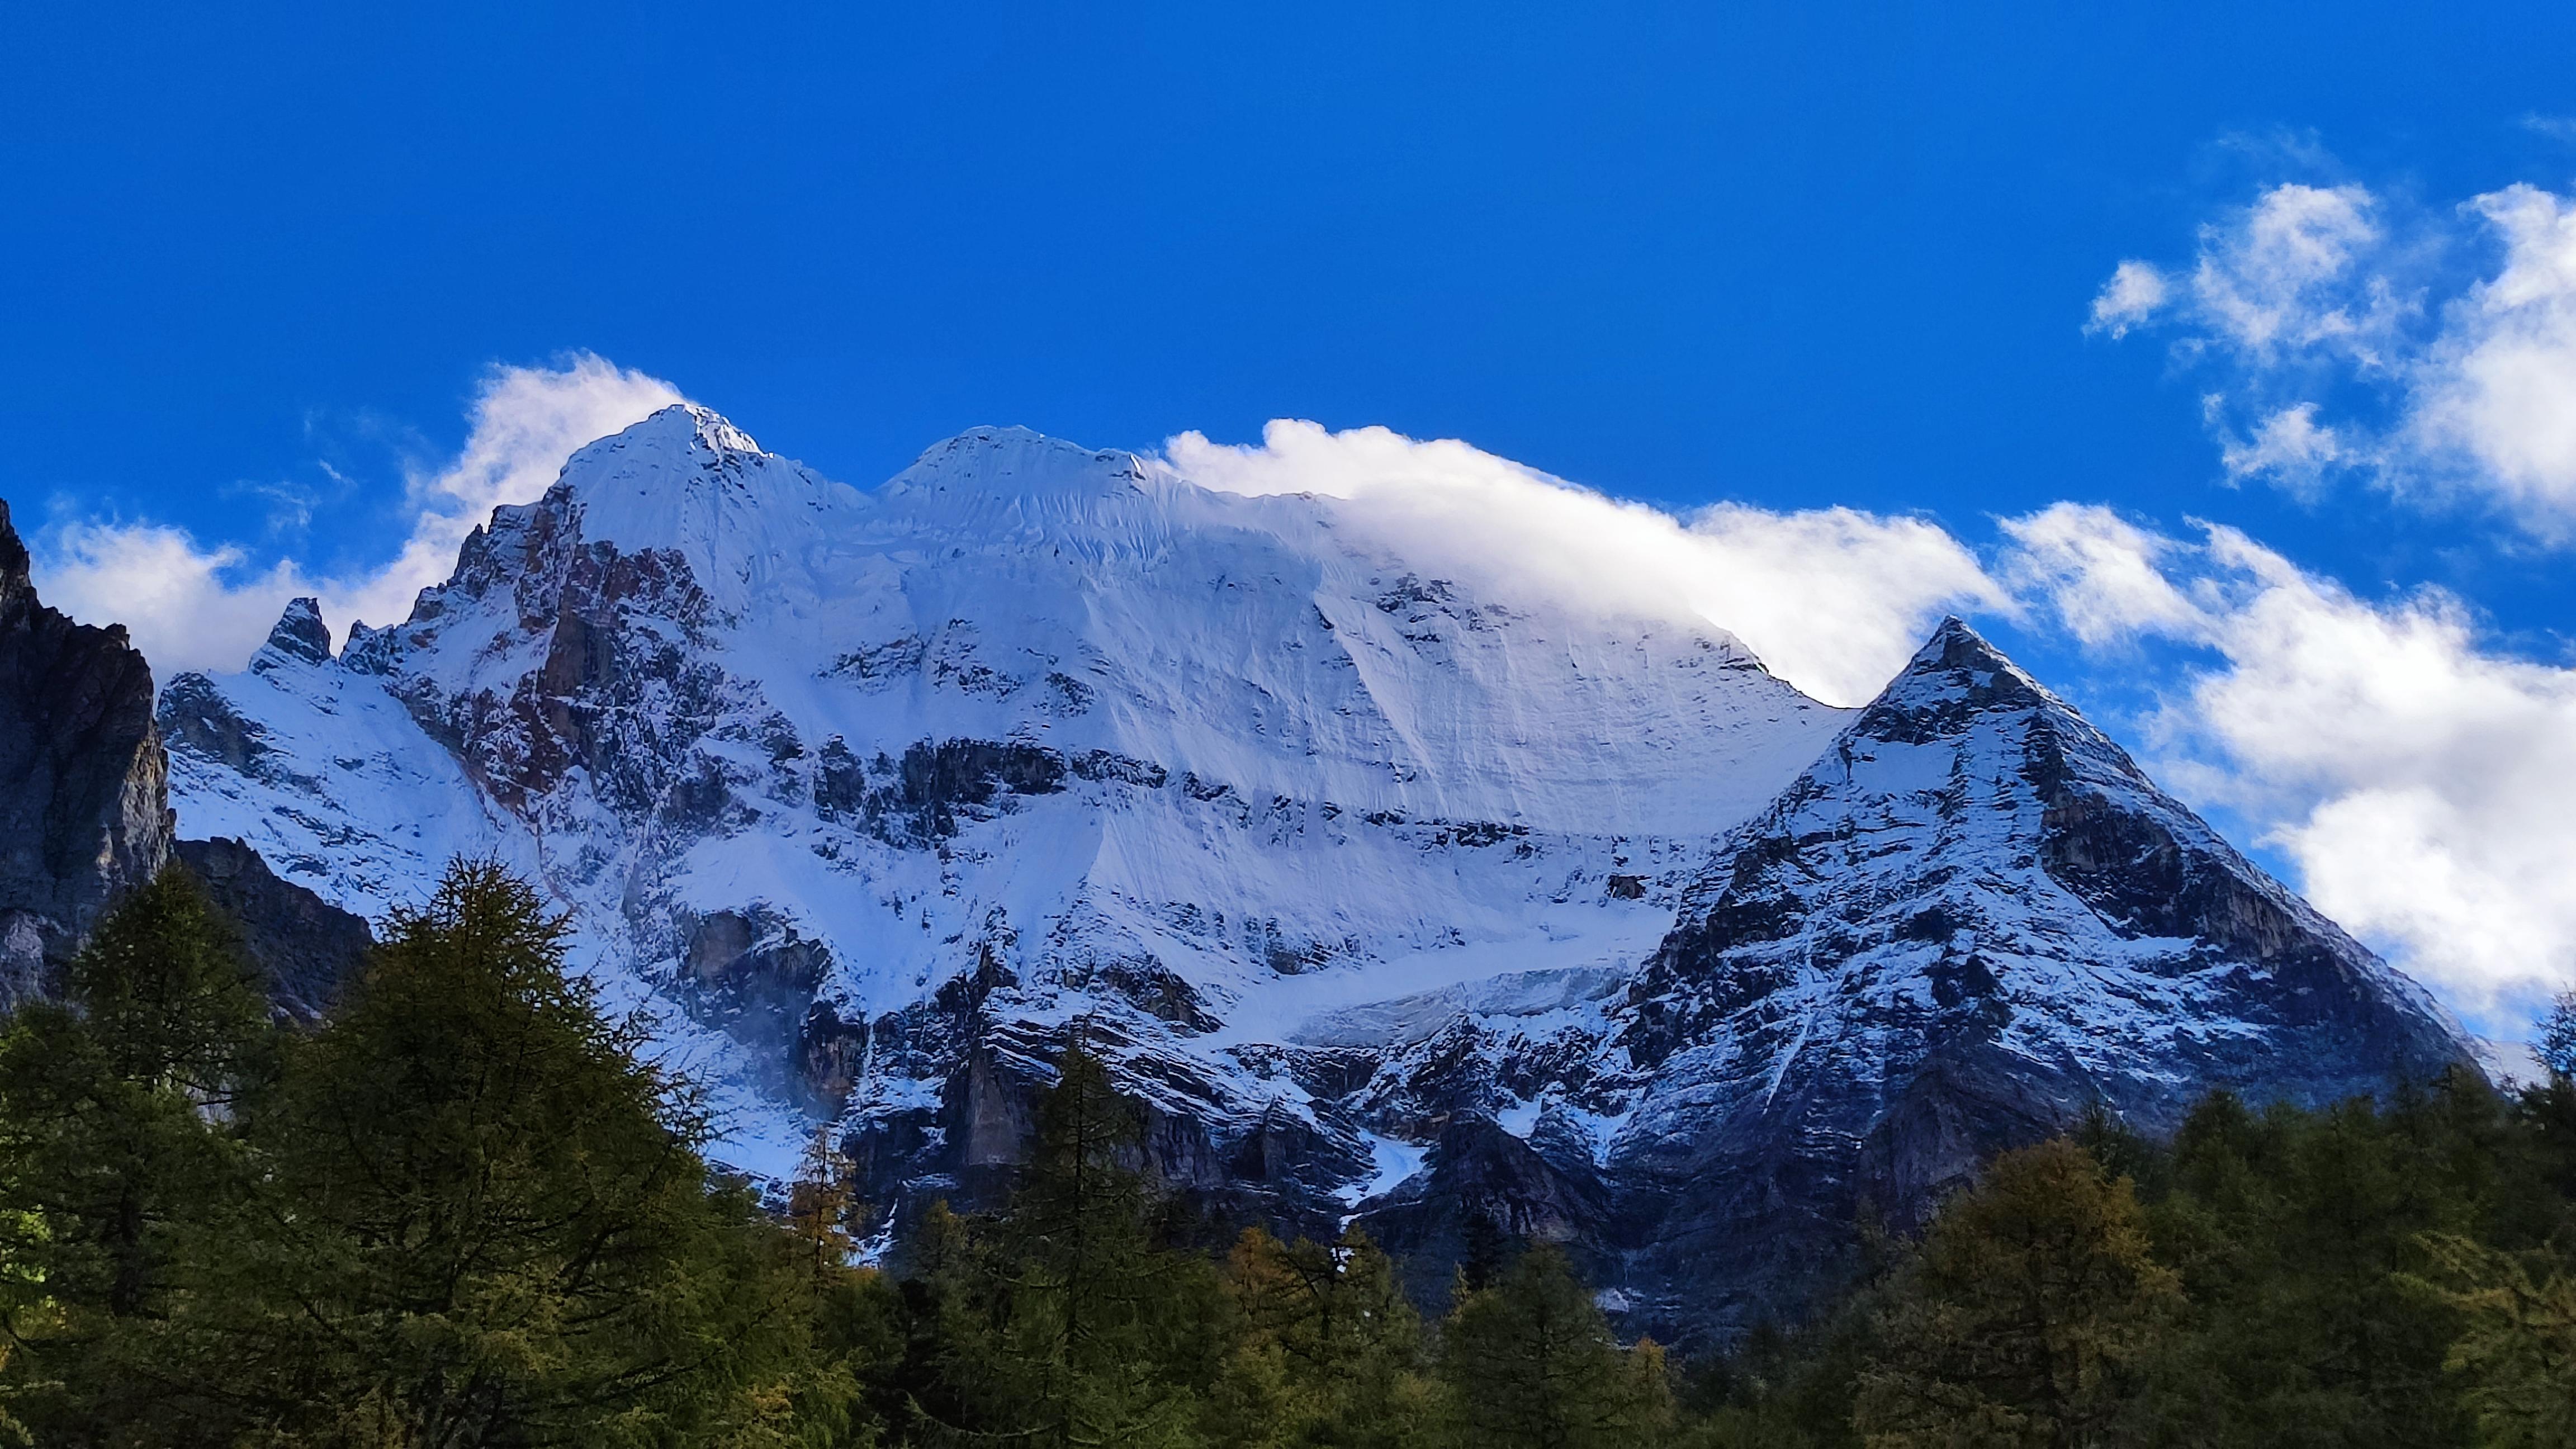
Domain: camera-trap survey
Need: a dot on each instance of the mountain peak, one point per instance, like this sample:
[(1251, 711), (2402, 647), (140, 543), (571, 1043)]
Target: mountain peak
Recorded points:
[(686, 479), (877, 790), (1018, 462), (300, 633), (1970, 922), (1955, 647), (1956, 674), (691, 426), (673, 435)]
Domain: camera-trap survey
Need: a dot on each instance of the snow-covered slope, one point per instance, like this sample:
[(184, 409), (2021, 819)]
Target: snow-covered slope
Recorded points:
[(1407, 897), (1050, 728)]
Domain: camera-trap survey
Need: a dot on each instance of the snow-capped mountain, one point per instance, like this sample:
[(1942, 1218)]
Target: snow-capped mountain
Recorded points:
[(1969, 922), (1051, 728), (1391, 894)]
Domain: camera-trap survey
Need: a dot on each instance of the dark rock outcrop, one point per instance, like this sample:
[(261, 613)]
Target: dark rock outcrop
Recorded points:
[(84, 787), (1483, 1190), (299, 634), (308, 948)]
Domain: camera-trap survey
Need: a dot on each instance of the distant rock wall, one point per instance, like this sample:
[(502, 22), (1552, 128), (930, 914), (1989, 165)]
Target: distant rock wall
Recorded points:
[(308, 948), (84, 786)]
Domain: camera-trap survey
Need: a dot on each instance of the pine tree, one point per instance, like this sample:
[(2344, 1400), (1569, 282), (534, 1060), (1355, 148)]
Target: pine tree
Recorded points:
[(2556, 1046), (2028, 1315), (1066, 1323), (821, 1203), (117, 1108), (2517, 1348), (1327, 1349), (1532, 1364), (484, 1221), (2294, 1234)]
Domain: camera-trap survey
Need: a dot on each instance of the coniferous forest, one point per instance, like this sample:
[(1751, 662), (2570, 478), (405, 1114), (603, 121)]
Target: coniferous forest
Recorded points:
[(468, 1210)]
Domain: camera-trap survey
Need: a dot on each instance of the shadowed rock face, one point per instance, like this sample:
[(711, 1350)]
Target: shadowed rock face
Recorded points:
[(309, 949), (84, 787)]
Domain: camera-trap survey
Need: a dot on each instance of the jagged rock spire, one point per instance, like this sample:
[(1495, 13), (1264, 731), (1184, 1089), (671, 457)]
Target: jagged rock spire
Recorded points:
[(300, 632)]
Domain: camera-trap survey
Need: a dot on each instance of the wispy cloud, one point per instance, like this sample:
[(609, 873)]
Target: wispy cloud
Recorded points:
[(2135, 294), (192, 605), (1833, 600), (526, 422), (2343, 343), (187, 606)]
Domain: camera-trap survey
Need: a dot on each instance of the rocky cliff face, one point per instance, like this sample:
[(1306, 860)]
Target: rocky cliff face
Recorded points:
[(1419, 900), (307, 949), (84, 807)]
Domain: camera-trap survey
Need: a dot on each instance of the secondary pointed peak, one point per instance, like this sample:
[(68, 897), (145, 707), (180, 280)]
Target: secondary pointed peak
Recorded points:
[(1955, 651), (300, 632), (1007, 477), (1956, 674)]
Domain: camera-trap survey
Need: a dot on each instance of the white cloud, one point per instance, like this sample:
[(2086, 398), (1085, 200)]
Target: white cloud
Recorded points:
[(1833, 600), (2310, 290), (2495, 393), (2285, 278), (2103, 574), (189, 606), (2291, 448), (2285, 275), (2425, 786), (2136, 292)]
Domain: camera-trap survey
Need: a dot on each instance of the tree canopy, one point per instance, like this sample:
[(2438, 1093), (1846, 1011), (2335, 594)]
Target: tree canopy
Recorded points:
[(469, 1209)]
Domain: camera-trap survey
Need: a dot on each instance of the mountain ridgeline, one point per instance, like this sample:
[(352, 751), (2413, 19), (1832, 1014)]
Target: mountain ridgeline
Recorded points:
[(1436, 905)]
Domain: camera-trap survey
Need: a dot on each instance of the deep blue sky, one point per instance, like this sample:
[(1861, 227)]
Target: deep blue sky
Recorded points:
[(1795, 255)]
